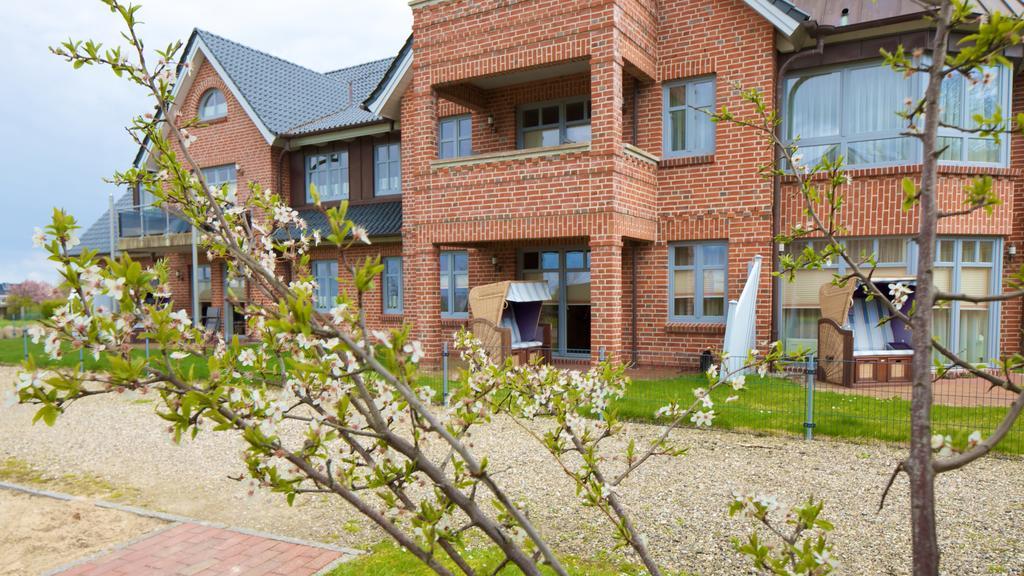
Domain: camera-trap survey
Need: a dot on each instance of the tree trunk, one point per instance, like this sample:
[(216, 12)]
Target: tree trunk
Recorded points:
[(919, 464)]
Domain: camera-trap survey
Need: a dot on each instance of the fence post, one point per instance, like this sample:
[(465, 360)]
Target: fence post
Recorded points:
[(444, 371), (24, 343), (809, 417), (81, 359), (600, 358), (147, 348)]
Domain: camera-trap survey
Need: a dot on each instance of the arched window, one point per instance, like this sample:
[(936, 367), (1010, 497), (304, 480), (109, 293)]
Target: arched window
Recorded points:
[(212, 105)]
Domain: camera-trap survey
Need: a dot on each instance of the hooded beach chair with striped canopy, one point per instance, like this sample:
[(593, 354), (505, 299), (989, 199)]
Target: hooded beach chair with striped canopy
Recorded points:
[(506, 320), (835, 340)]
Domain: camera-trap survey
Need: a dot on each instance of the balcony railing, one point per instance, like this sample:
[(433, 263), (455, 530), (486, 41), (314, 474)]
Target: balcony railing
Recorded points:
[(149, 220)]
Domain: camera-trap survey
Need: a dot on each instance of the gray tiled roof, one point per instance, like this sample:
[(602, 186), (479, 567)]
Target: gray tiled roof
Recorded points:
[(291, 99), (97, 236), (379, 219), (791, 10)]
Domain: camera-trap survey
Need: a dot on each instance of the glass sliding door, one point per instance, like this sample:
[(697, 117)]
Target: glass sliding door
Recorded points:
[(567, 274), (967, 266)]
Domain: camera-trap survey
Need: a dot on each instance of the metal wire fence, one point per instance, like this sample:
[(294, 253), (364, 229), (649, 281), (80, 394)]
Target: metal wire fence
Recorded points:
[(799, 398)]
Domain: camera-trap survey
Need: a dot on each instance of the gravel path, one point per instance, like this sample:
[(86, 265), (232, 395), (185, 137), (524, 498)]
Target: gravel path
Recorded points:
[(681, 502)]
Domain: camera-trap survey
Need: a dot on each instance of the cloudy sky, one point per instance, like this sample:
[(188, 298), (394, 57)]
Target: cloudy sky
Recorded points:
[(61, 130)]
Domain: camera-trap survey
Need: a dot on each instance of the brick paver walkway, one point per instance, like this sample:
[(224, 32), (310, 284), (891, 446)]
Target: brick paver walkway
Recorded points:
[(194, 550)]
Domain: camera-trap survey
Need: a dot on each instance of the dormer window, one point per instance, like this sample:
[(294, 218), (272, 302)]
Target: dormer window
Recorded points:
[(213, 105)]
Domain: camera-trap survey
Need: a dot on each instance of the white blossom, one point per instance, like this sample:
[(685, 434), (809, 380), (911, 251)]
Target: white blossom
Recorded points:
[(247, 357), (974, 439), (39, 238), (824, 558), (114, 287), (359, 233), (415, 351), (703, 419)]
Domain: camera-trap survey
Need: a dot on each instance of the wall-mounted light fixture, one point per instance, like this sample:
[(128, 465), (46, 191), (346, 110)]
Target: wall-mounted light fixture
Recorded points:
[(1011, 250), (494, 262)]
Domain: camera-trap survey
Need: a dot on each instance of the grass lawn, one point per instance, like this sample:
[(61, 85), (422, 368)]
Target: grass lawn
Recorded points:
[(16, 323), (12, 352), (778, 405), (386, 559), (767, 405)]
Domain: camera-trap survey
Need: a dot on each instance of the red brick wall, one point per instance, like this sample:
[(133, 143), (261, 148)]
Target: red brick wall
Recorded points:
[(627, 209), (234, 139), (605, 196)]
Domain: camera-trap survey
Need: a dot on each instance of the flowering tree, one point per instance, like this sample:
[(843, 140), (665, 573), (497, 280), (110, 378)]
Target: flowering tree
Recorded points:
[(822, 186), (29, 294), (351, 391), (34, 291)]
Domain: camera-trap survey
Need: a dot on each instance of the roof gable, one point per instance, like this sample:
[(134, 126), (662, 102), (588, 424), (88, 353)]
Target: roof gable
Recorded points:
[(783, 14)]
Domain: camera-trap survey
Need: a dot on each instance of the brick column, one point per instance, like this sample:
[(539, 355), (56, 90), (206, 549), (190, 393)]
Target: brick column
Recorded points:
[(606, 78), (421, 275), (180, 280), (606, 296)]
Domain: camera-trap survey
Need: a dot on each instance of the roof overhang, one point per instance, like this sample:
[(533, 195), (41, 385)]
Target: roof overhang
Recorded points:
[(786, 18), (386, 99), (297, 142)]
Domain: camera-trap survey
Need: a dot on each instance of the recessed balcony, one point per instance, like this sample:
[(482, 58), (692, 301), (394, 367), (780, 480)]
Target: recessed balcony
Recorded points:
[(151, 228)]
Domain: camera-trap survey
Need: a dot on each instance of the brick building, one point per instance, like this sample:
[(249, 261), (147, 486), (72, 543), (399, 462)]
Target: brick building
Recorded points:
[(565, 141)]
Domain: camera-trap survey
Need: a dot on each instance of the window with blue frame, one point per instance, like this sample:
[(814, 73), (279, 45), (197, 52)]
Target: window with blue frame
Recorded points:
[(219, 176), (962, 265), (393, 290), (852, 110), (688, 128), (962, 99), (328, 172), (455, 137), (325, 274), (554, 123), (387, 168), (455, 284), (213, 105), (204, 281), (967, 266), (697, 282)]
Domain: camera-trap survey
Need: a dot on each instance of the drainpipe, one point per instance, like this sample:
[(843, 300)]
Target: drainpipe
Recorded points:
[(280, 168), (280, 181), (633, 297), (818, 33)]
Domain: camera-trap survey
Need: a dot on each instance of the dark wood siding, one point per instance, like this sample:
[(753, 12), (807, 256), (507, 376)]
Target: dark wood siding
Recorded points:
[(360, 169)]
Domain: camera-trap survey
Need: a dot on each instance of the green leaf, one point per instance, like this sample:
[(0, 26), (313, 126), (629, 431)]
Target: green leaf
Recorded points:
[(48, 414), (909, 193)]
